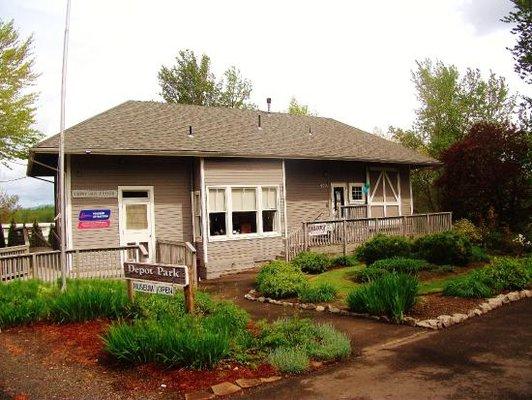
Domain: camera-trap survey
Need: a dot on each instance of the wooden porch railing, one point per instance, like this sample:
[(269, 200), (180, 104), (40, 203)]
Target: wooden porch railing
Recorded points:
[(182, 253), (15, 250), (344, 232)]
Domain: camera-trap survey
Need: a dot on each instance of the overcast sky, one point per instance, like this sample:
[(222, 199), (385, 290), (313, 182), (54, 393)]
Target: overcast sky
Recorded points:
[(349, 60)]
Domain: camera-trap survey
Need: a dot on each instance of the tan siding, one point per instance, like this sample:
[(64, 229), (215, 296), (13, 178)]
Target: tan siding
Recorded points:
[(234, 255), (405, 191), (170, 179)]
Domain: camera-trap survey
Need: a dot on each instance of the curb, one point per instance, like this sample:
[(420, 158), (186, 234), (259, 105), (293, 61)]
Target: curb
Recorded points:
[(443, 321)]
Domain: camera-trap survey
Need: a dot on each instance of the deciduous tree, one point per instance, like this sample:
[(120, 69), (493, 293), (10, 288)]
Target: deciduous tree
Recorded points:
[(17, 109), (521, 17), (295, 108)]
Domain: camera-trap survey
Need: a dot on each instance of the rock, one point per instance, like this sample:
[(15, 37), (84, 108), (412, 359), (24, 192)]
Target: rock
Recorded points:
[(261, 299), (315, 364), (270, 379), (513, 296), (446, 320), (333, 310), (528, 293), (225, 388), (344, 312), (252, 291), (249, 297), (495, 302), (311, 306), (409, 321), (424, 324), (247, 383), (320, 308), (199, 395), (505, 299), (485, 307), (458, 317), (287, 304)]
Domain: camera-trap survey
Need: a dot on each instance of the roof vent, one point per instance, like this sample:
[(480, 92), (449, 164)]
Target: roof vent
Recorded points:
[(310, 130), (190, 133), (269, 103)]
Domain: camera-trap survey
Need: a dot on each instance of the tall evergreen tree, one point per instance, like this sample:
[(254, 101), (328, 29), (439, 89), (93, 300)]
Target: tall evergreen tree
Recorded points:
[(11, 234)]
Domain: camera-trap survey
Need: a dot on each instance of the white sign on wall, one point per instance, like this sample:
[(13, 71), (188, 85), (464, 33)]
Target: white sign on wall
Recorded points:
[(95, 194), (318, 229)]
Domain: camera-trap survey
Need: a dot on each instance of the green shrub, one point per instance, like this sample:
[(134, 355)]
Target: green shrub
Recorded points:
[(317, 293), (328, 344), (393, 295), (312, 263), (478, 254), (382, 246), (503, 274), (399, 264), (444, 248), (466, 228), (159, 306), (280, 279), (173, 343), (289, 360), (23, 302), (345, 261), (87, 299), (368, 274)]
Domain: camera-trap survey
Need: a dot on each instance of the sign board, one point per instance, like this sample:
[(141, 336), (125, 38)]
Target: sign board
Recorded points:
[(175, 274), (94, 219), (95, 194), (318, 229), (151, 287)]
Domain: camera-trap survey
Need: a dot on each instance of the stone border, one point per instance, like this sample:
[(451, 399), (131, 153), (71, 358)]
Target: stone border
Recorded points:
[(443, 321), (227, 388)]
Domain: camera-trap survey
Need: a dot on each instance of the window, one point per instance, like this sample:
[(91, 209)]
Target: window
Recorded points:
[(356, 193), (239, 211), (269, 209), (217, 211), (136, 216)]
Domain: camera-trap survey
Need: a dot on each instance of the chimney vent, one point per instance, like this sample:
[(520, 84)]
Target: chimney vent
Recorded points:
[(269, 103)]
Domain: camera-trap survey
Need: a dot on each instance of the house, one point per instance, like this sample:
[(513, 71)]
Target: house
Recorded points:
[(237, 183)]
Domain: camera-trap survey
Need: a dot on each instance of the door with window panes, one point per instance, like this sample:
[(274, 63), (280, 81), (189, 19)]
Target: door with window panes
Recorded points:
[(136, 219)]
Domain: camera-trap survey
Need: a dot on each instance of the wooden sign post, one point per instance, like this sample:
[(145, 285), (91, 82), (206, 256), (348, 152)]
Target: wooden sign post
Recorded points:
[(154, 278)]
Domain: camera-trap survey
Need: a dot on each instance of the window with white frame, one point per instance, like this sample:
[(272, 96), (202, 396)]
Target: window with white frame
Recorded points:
[(197, 214), (217, 212), (269, 209), (243, 210), (356, 193)]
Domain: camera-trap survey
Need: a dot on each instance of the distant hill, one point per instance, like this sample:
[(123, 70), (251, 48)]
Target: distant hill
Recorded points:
[(44, 213)]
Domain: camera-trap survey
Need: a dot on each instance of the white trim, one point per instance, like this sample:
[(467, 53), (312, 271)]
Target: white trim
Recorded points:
[(68, 189), (284, 202), (151, 205), (350, 193), (204, 216), (399, 193), (368, 195), (229, 210), (343, 185), (411, 197)]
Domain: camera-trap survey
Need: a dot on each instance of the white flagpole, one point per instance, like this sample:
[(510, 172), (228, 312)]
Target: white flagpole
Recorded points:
[(61, 172)]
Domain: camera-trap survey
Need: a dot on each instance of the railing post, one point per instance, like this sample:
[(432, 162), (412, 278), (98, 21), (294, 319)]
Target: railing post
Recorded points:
[(75, 266), (344, 236), (33, 264), (305, 240), (403, 225), (428, 224), (286, 248), (376, 225)]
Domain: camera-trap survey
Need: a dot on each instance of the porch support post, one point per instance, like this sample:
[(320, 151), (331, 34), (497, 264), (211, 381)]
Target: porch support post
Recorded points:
[(344, 237), (305, 240)]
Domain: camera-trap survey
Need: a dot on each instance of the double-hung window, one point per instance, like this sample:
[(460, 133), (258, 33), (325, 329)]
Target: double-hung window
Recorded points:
[(356, 193), (243, 211)]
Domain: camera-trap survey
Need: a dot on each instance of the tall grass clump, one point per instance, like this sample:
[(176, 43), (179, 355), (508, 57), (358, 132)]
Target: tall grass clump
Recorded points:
[(392, 294), (383, 246), (23, 302), (280, 279), (87, 299)]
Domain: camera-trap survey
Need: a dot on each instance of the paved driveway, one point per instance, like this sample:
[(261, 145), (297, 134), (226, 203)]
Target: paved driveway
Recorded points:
[(489, 357)]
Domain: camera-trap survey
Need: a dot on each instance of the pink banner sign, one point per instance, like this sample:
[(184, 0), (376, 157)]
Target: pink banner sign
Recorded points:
[(94, 224)]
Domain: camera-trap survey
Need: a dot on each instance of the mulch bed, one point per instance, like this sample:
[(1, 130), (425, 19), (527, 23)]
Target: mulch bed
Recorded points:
[(81, 343), (433, 305)]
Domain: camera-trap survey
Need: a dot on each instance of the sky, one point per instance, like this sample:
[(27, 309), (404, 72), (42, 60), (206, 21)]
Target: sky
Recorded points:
[(348, 60)]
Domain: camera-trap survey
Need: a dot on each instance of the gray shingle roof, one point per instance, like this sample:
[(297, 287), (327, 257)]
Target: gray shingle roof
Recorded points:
[(144, 127)]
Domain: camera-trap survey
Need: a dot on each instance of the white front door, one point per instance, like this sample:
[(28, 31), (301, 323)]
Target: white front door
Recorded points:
[(136, 217)]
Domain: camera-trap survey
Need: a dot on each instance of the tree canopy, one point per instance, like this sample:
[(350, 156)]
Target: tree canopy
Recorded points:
[(521, 17), (17, 109), (190, 81), (296, 108)]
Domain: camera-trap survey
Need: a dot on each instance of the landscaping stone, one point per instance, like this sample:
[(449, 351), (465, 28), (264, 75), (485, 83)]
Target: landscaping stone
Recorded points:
[(485, 307), (270, 379), (528, 293), (225, 388), (333, 310), (199, 395), (311, 306), (320, 308), (446, 320), (261, 299), (315, 364), (252, 291), (409, 321), (495, 302), (513, 296), (425, 324), (287, 304), (249, 297), (248, 382), (458, 317)]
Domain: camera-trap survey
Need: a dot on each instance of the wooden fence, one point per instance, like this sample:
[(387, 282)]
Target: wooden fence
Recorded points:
[(15, 250), (104, 262), (344, 232), (173, 252)]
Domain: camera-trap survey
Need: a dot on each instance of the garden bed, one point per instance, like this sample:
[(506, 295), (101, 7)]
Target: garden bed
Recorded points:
[(433, 305)]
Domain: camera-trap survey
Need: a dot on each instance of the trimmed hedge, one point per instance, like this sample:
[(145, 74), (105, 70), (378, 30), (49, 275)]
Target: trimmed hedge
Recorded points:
[(279, 279), (383, 246), (444, 248), (312, 263), (392, 294)]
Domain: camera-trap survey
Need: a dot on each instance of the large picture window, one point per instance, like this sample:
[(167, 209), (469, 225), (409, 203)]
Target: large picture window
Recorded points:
[(243, 211)]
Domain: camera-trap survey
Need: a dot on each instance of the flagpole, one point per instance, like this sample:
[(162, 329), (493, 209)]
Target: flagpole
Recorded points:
[(61, 161)]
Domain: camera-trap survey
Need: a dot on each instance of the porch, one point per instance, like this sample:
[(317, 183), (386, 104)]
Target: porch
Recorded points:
[(342, 235)]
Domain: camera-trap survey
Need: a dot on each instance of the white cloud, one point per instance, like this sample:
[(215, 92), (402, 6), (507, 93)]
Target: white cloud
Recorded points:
[(346, 60)]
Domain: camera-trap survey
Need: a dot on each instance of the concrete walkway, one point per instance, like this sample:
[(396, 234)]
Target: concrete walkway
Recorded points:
[(362, 331), (489, 357)]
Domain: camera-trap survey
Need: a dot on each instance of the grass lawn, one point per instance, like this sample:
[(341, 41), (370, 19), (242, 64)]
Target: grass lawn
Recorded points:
[(340, 278)]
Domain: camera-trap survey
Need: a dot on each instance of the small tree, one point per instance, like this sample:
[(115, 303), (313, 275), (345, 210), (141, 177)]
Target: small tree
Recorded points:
[(296, 108), (53, 238), (490, 169), (36, 236), (11, 234), (2, 238)]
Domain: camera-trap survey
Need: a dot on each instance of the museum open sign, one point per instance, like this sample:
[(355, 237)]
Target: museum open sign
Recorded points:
[(175, 274)]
